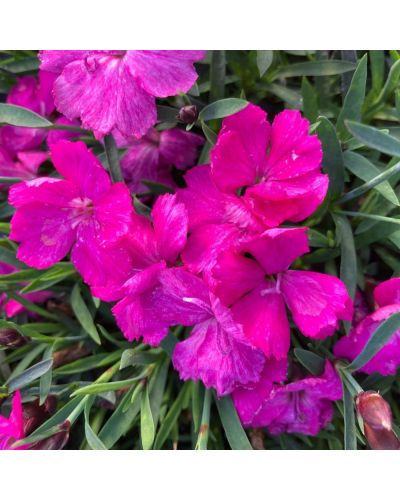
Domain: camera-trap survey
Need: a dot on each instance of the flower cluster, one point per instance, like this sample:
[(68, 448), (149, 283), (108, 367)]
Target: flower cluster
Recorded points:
[(220, 256)]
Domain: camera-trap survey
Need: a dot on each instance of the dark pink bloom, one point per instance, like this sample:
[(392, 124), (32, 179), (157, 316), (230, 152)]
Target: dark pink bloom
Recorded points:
[(284, 184), (303, 406), (151, 157), (150, 248), (111, 90), (216, 352), (36, 96), (83, 211), (387, 360), (216, 220), (259, 288), (23, 165), (12, 428), (12, 307)]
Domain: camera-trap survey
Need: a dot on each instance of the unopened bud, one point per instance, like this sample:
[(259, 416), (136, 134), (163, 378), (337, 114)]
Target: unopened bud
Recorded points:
[(69, 354), (377, 418), (374, 410), (188, 114), (55, 442), (9, 337), (34, 414)]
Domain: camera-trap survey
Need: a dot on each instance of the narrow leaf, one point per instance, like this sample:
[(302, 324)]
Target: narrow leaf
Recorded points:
[(29, 375), (83, 315), (222, 108), (264, 60), (374, 138), (147, 428), (234, 432), (21, 117)]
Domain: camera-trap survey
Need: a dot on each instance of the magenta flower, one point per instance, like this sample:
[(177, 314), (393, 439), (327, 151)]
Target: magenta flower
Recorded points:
[(12, 428), (111, 90), (216, 352), (83, 211), (58, 135), (24, 165), (387, 360), (150, 248), (303, 406), (217, 220), (12, 307), (284, 184), (259, 288), (151, 157), (36, 96)]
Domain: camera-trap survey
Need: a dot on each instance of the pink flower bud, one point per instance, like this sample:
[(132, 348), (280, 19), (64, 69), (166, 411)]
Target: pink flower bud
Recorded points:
[(188, 114), (9, 337)]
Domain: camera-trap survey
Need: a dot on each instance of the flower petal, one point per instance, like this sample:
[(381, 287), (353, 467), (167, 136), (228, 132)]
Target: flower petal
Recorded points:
[(388, 292), (317, 302), (164, 73)]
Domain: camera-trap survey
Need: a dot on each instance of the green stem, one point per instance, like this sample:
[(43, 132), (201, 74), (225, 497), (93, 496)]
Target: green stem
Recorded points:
[(113, 159), (217, 75), (202, 439)]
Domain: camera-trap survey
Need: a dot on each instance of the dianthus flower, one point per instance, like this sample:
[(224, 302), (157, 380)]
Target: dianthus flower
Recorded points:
[(216, 352), (303, 406), (261, 175), (83, 211), (257, 283), (387, 360), (111, 90), (151, 157), (12, 428)]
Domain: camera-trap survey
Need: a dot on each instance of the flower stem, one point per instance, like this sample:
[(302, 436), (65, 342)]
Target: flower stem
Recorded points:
[(113, 159)]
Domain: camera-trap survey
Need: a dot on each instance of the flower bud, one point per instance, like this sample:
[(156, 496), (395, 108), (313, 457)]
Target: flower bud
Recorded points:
[(377, 417), (10, 337), (188, 114), (55, 442), (374, 410), (34, 415), (69, 354)]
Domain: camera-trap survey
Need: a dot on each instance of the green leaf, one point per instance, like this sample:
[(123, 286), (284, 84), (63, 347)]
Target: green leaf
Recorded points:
[(46, 378), (120, 421), (365, 170), (147, 428), (350, 437), (374, 138), (98, 388), (22, 66), (93, 440), (352, 105), (348, 256), (234, 432), (29, 375), (332, 160), (171, 417), (310, 100), (290, 96), (132, 357), (83, 315), (211, 136), (311, 361), (60, 416), (202, 438), (264, 60), (377, 58), (391, 83), (167, 114), (316, 68), (378, 339), (217, 75), (111, 150), (89, 363), (222, 108), (21, 117)]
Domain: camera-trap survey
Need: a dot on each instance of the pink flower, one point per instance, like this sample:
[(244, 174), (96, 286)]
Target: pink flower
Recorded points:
[(248, 190), (12, 428), (259, 287), (112, 90), (284, 184), (23, 165), (216, 352), (303, 406), (84, 211), (150, 249), (387, 360), (36, 96), (151, 157), (13, 307), (217, 220)]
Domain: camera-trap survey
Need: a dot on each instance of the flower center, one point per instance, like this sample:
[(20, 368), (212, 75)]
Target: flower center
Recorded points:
[(82, 209)]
